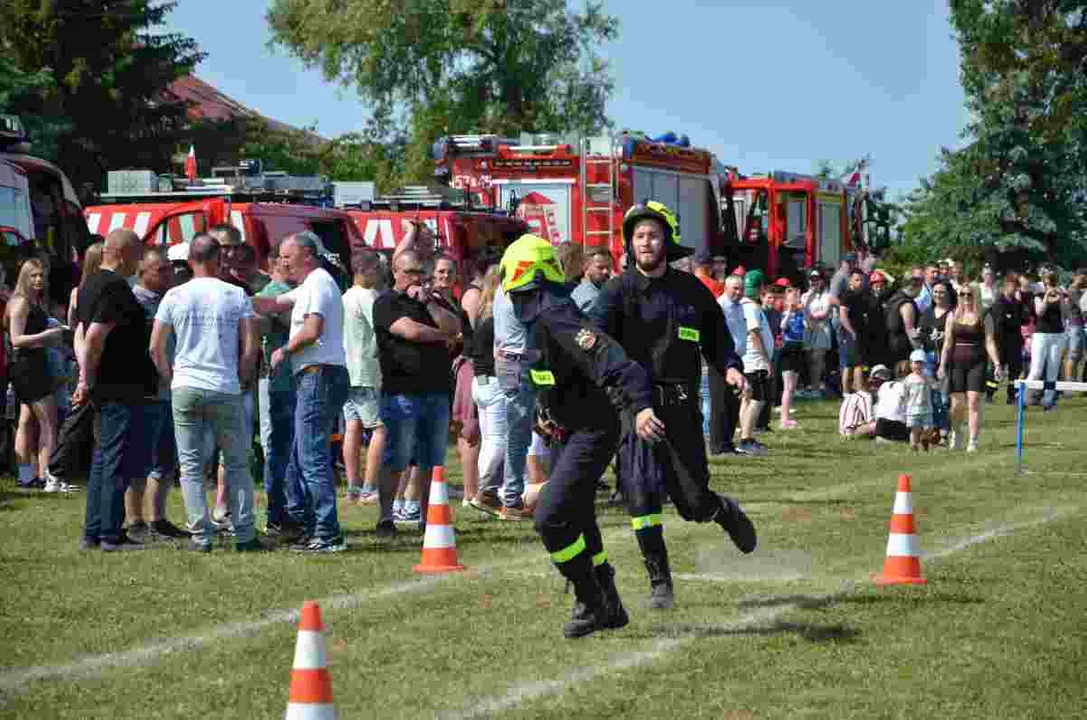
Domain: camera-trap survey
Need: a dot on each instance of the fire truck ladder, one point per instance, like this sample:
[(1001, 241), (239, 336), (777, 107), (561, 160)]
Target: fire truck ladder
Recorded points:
[(596, 151)]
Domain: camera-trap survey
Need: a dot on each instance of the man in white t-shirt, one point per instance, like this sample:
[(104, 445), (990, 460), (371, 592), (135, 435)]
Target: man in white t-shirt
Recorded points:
[(362, 408), (316, 353), (757, 351), (216, 346)]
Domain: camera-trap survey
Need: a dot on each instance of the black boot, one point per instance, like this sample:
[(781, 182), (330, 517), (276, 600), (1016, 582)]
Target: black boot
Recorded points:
[(593, 611), (617, 615), (737, 525), (661, 596)]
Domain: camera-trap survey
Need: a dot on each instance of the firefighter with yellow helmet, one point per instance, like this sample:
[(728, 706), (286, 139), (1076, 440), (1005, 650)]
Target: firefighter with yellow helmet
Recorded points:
[(668, 322), (582, 377)]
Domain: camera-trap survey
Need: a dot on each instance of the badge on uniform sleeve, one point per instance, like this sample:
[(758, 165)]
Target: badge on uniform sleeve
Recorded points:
[(543, 378), (689, 334), (585, 339)]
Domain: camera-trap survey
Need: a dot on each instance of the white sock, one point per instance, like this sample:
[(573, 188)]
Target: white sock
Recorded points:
[(25, 473)]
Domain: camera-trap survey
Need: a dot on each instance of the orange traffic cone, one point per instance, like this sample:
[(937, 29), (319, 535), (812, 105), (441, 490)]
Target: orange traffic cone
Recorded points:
[(903, 563), (439, 542), (311, 685)]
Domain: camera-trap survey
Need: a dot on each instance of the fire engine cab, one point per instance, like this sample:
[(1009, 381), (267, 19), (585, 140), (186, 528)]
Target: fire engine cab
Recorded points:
[(263, 206), (787, 222), (576, 189)]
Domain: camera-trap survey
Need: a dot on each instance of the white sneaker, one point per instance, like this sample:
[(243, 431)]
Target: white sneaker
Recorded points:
[(954, 440), (972, 446), (57, 486)]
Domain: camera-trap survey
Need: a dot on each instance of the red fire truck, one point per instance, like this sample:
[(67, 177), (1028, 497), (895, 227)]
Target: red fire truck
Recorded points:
[(576, 189), (462, 233), (787, 223), (265, 207)]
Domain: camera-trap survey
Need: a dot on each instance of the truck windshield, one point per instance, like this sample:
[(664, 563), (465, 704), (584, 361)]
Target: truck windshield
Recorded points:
[(15, 210)]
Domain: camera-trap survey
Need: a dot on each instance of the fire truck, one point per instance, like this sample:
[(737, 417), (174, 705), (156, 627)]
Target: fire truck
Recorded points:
[(39, 210), (576, 189), (786, 222), (263, 206), (462, 232)]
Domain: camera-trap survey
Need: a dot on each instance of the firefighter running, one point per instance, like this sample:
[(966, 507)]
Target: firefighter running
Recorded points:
[(665, 320), (581, 376)]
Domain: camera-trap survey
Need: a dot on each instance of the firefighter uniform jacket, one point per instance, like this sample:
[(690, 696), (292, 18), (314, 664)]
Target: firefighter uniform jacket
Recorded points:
[(581, 375), (666, 323)]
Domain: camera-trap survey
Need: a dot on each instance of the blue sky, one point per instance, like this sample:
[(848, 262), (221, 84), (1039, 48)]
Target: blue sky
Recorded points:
[(764, 85)]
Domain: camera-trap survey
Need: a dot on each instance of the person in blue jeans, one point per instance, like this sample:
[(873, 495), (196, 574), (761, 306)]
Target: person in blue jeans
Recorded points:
[(216, 346), (414, 329), (276, 398), (115, 375), (316, 353)]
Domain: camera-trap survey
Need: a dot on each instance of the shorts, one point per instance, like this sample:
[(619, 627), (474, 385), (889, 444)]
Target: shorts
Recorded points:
[(967, 378), (1077, 338), (539, 446), (920, 420), (363, 404), (417, 429), (758, 385), (847, 351), (892, 430), (792, 357)]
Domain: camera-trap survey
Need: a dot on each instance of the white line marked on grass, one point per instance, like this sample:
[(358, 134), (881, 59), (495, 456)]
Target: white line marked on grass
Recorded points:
[(519, 693), (12, 681)]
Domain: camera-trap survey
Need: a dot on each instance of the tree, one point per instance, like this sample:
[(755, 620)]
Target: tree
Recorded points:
[(109, 70), (16, 88), (433, 67), (1021, 182)]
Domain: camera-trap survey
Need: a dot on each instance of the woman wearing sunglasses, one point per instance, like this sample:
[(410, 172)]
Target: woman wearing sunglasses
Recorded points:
[(968, 336)]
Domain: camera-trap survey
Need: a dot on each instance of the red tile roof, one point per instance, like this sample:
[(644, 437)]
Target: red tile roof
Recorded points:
[(207, 103)]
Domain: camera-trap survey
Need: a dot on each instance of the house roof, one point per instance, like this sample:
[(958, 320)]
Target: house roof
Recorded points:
[(208, 103)]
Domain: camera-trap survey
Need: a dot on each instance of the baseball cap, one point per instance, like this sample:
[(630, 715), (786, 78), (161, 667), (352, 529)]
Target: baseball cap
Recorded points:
[(703, 258), (815, 273), (918, 356), (880, 371), (178, 252), (752, 282), (877, 276), (849, 257), (783, 283)]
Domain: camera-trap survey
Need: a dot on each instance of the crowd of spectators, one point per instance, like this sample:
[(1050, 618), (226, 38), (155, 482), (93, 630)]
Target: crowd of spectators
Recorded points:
[(169, 361)]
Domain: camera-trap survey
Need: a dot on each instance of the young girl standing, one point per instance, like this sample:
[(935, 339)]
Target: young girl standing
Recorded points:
[(918, 398), (792, 353)]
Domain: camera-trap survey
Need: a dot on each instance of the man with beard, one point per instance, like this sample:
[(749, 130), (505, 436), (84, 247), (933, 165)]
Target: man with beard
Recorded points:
[(666, 321)]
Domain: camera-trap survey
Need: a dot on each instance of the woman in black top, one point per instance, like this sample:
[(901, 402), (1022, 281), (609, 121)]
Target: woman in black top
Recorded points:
[(28, 325), (1010, 314), (1047, 344), (932, 326), (968, 337)]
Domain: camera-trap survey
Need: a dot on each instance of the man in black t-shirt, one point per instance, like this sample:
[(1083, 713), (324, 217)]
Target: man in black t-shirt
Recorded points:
[(415, 331), (116, 376)]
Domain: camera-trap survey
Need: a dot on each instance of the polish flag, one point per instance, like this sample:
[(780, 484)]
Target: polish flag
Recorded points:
[(190, 164)]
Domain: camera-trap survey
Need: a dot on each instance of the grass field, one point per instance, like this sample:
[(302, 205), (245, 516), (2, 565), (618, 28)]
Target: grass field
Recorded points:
[(795, 630)]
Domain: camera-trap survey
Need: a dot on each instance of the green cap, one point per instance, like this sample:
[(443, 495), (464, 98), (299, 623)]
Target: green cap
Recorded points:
[(753, 281)]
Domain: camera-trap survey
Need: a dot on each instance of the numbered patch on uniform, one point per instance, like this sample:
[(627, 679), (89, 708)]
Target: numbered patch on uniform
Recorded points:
[(689, 334), (543, 378), (585, 339)]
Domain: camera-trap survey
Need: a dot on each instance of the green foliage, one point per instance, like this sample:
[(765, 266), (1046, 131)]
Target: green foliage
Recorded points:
[(1021, 181), (107, 67), (433, 67), (17, 87)]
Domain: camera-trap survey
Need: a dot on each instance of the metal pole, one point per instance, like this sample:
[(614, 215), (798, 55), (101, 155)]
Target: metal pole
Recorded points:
[(1020, 419)]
